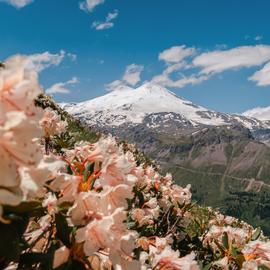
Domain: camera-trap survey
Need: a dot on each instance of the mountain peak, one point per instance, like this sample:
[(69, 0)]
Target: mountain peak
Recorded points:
[(132, 106)]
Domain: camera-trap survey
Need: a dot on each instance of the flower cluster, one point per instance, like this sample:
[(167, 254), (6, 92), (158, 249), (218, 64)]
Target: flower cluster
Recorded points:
[(94, 207), (19, 127), (52, 124)]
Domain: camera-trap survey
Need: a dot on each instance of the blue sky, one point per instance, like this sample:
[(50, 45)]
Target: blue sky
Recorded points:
[(83, 59)]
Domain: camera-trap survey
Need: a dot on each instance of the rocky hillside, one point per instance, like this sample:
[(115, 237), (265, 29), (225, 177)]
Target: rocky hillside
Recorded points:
[(223, 156)]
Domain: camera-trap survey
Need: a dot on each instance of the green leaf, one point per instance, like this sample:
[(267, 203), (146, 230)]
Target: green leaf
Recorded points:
[(220, 247), (208, 266), (141, 198), (64, 206), (263, 267), (63, 230), (225, 240), (256, 234), (131, 225), (234, 252), (88, 171), (69, 171)]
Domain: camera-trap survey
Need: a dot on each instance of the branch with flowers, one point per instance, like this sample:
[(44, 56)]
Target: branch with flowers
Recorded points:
[(70, 204)]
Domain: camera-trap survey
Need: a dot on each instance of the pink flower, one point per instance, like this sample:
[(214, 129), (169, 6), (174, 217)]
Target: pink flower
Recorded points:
[(18, 127), (96, 235), (16, 139), (80, 152), (257, 250), (115, 169), (184, 263), (33, 178), (52, 123), (150, 211), (61, 256), (144, 243), (18, 88), (160, 251), (9, 197), (180, 195), (250, 265), (50, 202), (236, 236), (139, 215), (121, 262), (108, 233), (87, 206), (67, 185), (222, 263)]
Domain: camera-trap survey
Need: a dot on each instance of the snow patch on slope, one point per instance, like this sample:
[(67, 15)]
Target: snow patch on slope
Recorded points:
[(131, 106), (157, 104), (261, 113)]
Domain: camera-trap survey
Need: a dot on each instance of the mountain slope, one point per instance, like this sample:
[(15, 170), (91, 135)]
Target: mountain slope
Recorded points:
[(132, 106), (261, 113), (223, 165), (218, 153)]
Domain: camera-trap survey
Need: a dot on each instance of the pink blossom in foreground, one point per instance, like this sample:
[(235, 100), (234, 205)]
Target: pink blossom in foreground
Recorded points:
[(18, 88), (101, 233), (18, 127)]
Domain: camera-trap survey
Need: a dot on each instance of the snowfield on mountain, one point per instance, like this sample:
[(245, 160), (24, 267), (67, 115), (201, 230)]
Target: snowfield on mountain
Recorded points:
[(131, 106)]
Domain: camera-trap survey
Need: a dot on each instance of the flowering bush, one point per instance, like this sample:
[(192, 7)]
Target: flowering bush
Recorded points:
[(92, 206)]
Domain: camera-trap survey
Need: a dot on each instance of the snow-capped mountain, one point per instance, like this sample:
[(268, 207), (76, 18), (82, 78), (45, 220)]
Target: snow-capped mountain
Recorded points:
[(219, 154), (261, 113), (157, 104)]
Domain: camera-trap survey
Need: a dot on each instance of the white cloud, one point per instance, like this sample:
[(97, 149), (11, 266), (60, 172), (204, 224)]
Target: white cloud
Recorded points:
[(108, 22), (18, 3), (102, 26), (132, 74), (72, 56), (175, 67), (89, 5), (117, 85), (262, 77), (112, 15), (41, 61), (131, 77), (166, 81), (176, 54), (261, 113), (240, 57), (61, 87), (202, 67), (258, 38), (205, 65)]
